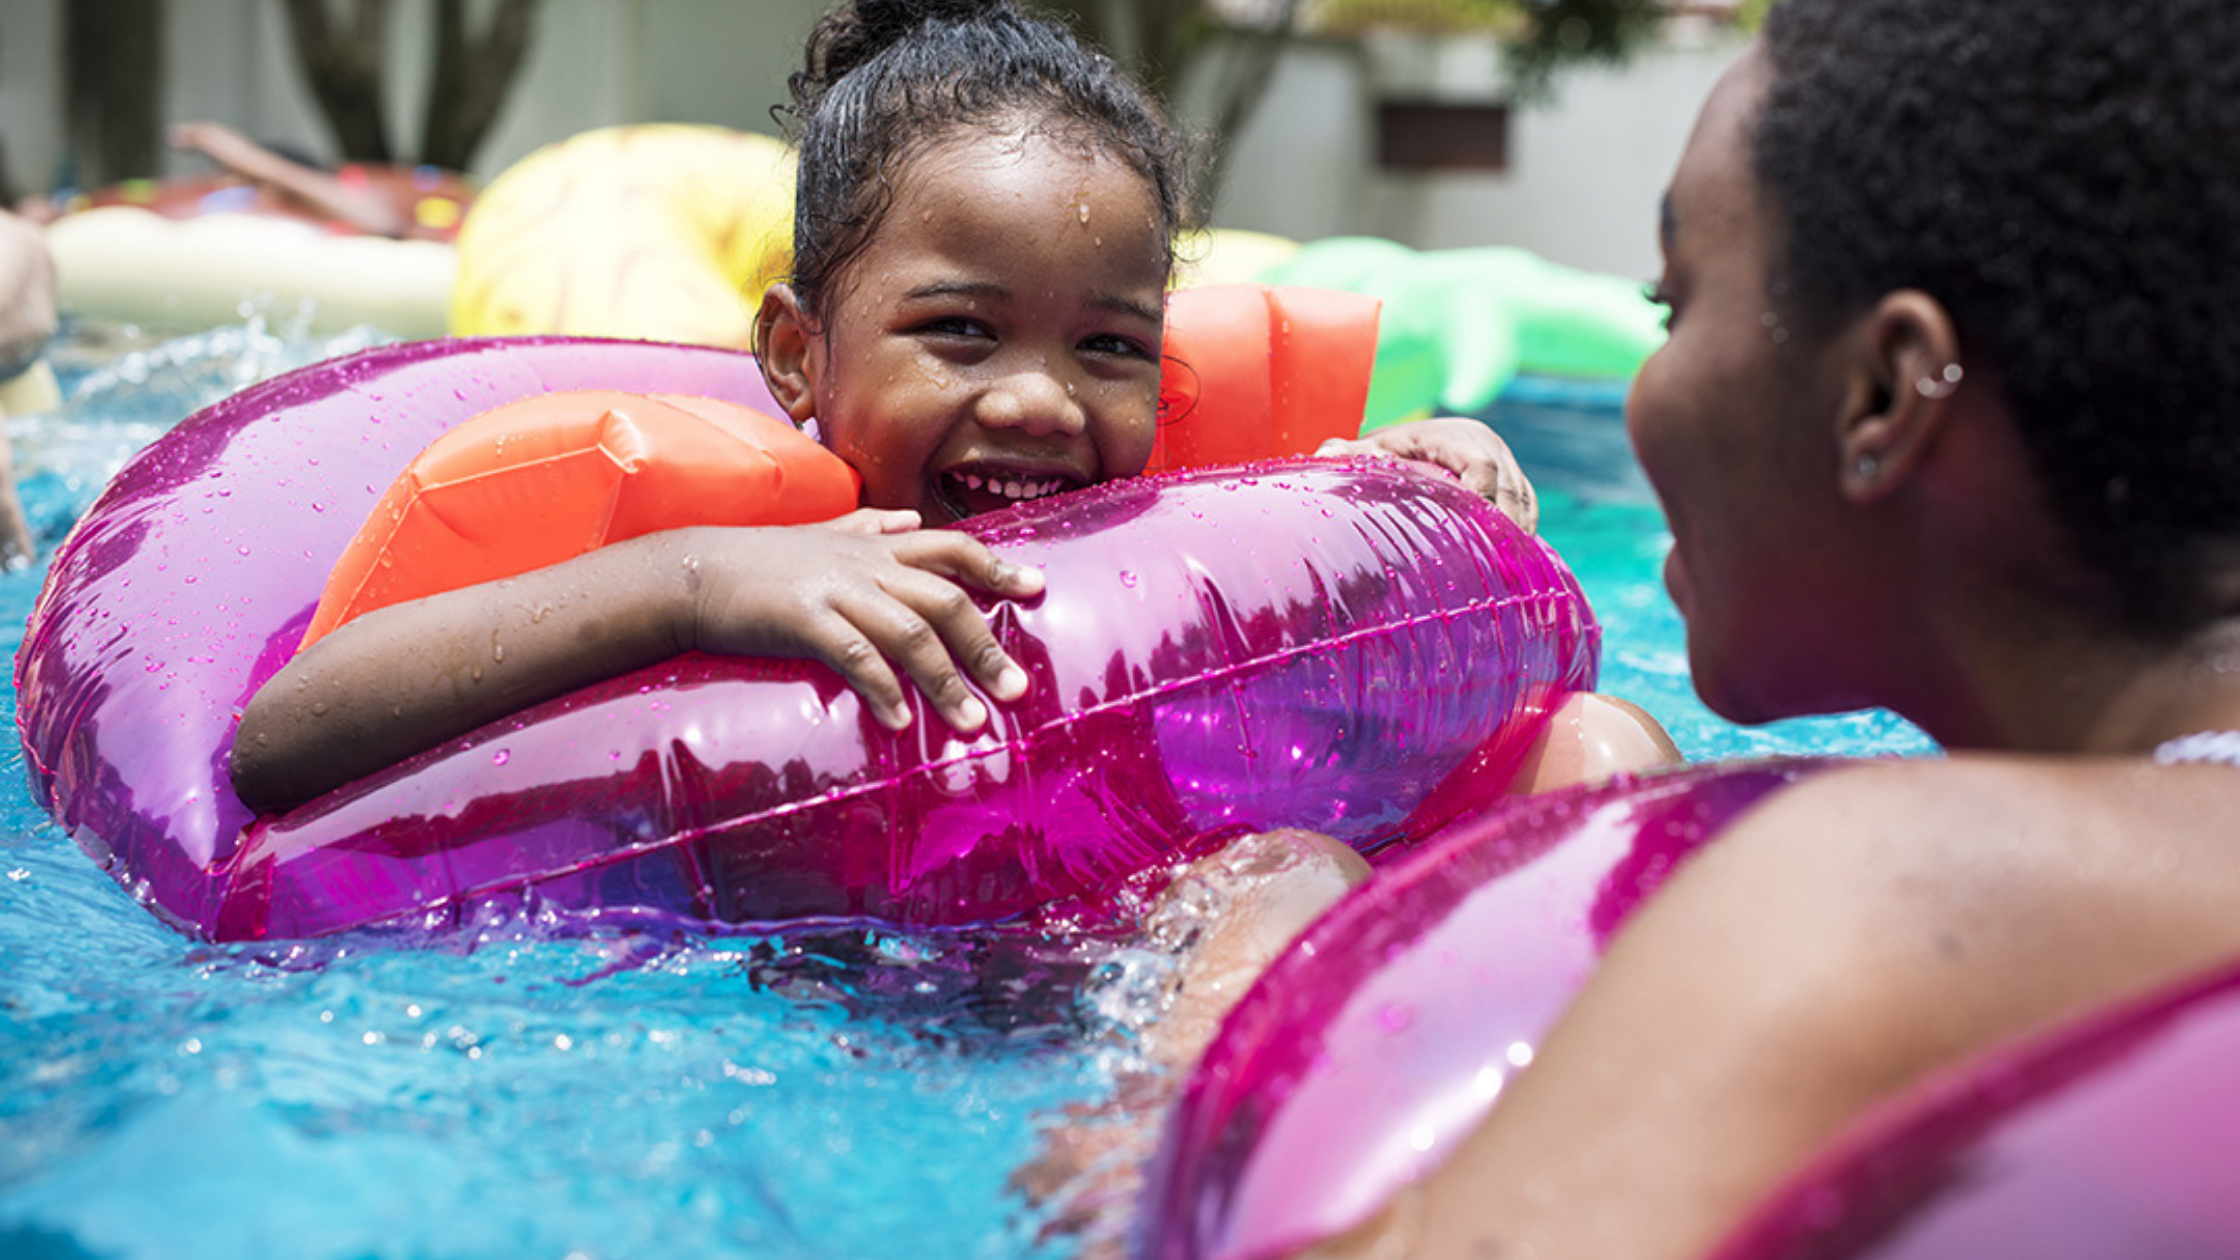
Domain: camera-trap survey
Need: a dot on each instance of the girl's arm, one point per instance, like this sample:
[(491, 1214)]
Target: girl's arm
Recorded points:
[(856, 594)]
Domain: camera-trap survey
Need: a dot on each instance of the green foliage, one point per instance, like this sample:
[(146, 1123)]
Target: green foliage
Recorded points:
[(1429, 17), (1559, 33), (1541, 37)]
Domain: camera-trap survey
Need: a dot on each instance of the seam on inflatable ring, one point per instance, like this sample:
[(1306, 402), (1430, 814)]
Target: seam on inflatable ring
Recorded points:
[(687, 836)]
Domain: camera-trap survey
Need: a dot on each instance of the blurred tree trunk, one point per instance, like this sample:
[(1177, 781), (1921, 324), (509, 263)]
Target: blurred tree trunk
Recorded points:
[(346, 65), (472, 75), (113, 85)]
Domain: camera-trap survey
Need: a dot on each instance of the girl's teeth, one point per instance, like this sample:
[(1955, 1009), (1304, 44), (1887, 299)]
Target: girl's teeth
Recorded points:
[(1014, 489)]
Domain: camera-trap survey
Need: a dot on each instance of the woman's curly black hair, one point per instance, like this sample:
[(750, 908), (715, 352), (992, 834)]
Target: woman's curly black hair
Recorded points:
[(882, 79), (2064, 176)]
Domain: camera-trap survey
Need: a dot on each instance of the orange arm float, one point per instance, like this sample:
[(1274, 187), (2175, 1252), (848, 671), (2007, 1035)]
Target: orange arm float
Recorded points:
[(548, 478), (1275, 371)]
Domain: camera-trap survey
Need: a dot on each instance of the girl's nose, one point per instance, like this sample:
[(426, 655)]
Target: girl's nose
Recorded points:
[(1033, 400)]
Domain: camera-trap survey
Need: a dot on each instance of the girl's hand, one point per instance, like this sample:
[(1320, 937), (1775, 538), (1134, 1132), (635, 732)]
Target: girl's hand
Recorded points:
[(1465, 447), (863, 594)]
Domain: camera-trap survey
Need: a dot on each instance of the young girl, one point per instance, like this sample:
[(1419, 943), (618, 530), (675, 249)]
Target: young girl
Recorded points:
[(982, 248)]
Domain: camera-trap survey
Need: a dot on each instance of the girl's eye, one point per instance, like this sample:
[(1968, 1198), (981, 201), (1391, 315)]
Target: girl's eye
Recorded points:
[(1117, 345), (956, 326), (1658, 295)]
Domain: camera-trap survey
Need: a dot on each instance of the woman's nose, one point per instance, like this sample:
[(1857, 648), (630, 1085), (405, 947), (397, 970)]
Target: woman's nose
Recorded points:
[(1035, 400)]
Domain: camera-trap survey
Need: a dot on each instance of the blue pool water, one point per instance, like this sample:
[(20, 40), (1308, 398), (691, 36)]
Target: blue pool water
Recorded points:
[(824, 1093)]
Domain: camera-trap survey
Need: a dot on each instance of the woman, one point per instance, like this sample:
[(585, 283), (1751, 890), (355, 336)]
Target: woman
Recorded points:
[(1949, 422)]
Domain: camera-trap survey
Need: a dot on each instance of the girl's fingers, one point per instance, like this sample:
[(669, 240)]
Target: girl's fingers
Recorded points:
[(921, 632), (876, 521), (837, 641), (965, 636), (968, 560), (1466, 448), (1517, 501)]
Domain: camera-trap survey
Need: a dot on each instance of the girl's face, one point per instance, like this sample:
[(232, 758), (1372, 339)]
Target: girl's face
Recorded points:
[(1734, 420), (998, 338)]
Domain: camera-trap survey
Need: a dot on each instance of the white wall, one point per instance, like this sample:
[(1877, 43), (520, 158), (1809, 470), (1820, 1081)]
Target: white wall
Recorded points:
[(30, 88), (1584, 172)]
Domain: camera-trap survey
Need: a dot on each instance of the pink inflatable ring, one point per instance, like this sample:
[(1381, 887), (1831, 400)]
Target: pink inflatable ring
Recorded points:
[(1313, 643)]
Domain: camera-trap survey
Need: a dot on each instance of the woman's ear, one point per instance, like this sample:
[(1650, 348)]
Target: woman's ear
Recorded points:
[(790, 351), (1908, 369)]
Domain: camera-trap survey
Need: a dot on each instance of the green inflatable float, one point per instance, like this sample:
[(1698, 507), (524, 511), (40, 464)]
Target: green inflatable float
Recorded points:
[(1459, 325)]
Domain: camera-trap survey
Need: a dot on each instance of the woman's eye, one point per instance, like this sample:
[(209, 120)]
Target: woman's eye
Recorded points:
[(1658, 295)]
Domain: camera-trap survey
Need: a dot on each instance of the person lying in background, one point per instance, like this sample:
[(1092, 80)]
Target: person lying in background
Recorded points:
[(27, 324), (299, 184)]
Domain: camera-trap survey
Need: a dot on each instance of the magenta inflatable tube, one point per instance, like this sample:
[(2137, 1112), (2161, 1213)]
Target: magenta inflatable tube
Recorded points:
[(1306, 643)]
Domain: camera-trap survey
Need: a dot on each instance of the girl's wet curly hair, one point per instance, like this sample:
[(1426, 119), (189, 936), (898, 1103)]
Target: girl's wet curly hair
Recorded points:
[(2061, 175), (882, 79)]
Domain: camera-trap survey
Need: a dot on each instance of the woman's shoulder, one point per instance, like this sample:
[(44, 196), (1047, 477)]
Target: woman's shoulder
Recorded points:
[(2005, 814), (1976, 897)]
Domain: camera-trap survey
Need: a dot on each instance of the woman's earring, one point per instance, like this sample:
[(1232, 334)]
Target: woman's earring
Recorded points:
[(1942, 384), (1866, 467), (812, 430)]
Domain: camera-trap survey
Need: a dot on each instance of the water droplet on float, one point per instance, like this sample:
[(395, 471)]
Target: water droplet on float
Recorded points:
[(1128, 578), (500, 757)]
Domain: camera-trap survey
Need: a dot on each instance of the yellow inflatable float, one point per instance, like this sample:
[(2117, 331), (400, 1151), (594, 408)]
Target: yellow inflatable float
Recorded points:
[(664, 232)]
